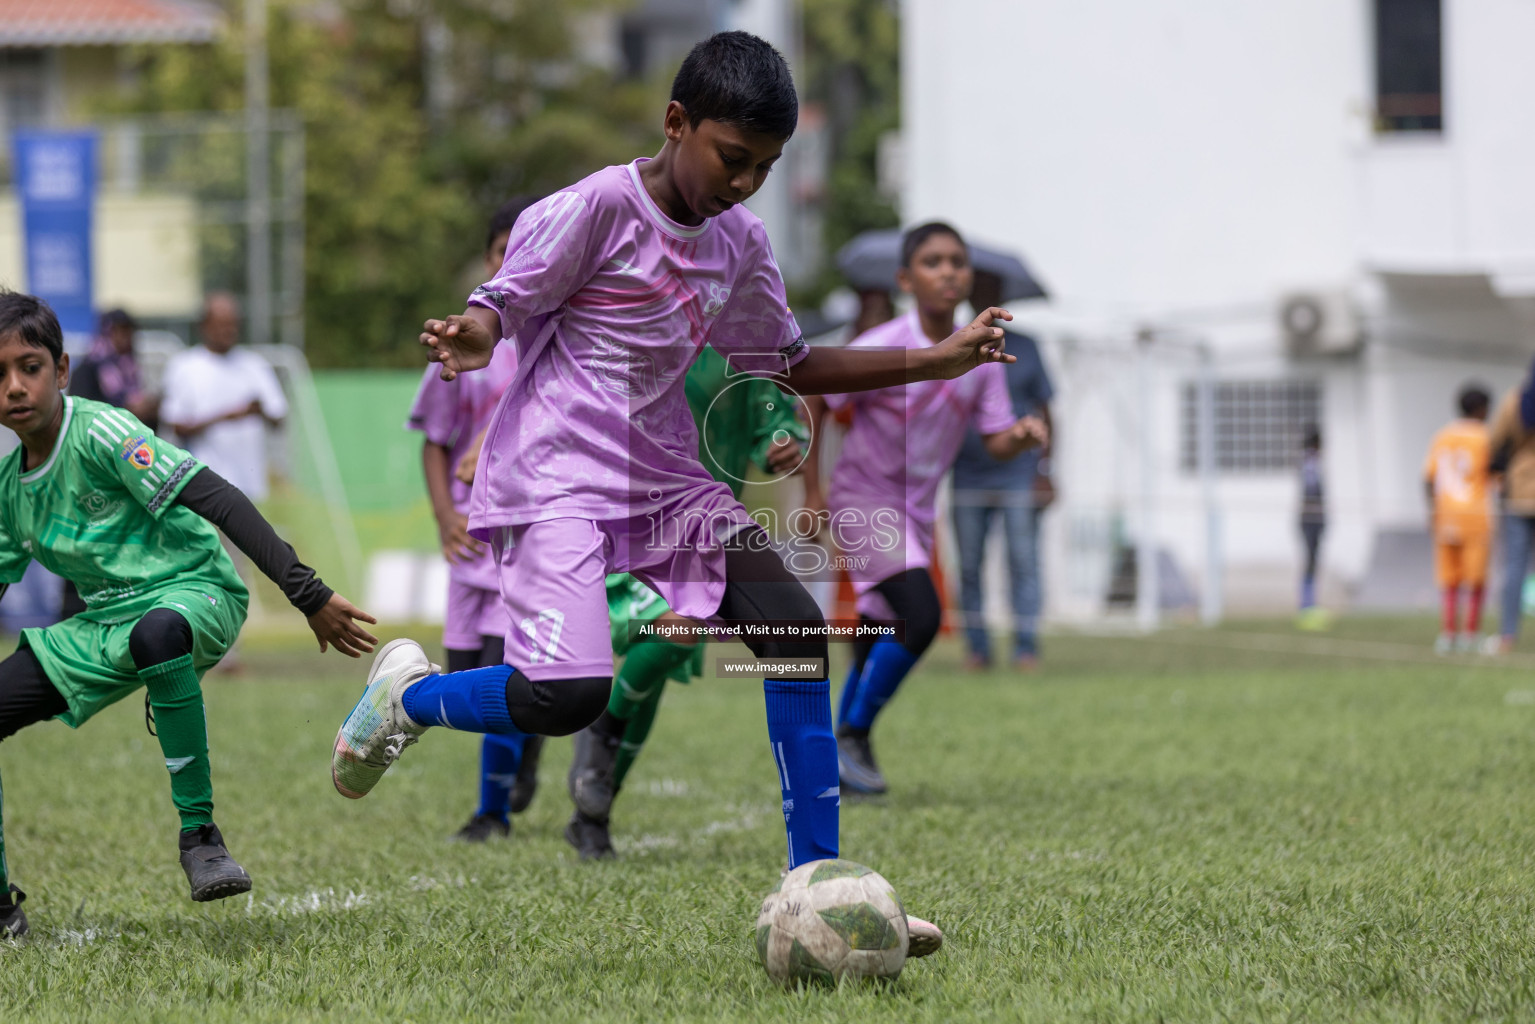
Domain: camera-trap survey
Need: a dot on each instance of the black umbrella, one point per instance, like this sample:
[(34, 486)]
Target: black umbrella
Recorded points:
[(871, 260)]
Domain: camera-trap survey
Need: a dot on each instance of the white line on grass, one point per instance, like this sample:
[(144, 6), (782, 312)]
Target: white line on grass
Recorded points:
[(748, 819), (82, 936), (425, 883), (310, 903)]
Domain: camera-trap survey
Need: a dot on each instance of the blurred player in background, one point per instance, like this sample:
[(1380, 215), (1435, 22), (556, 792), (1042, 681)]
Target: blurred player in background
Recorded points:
[(741, 423), (1456, 475), (883, 492), (452, 415), (94, 496)]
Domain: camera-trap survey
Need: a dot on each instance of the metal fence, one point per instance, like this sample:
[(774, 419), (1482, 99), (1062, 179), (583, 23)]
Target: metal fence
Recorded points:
[(177, 218)]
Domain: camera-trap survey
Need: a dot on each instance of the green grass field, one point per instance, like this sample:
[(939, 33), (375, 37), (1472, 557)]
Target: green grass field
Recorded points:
[(1252, 824)]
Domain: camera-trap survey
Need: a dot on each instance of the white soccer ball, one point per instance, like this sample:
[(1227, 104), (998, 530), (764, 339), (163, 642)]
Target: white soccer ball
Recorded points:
[(831, 919)]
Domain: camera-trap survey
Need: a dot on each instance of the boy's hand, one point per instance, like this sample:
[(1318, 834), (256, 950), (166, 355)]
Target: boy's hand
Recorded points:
[(815, 506), (335, 625), (457, 545), (1030, 432), (785, 455), (467, 462), (251, 408), (460, 343), (464, 471), (973, 345)]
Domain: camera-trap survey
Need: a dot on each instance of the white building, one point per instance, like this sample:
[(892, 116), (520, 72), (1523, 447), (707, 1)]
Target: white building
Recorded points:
[(1187, 165)]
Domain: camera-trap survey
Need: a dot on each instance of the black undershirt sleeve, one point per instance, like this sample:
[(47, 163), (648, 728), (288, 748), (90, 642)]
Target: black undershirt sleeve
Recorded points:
[(225, 506)]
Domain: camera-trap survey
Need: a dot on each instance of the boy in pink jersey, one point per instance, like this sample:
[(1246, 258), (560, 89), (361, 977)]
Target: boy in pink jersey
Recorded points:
[(883, 492), (589, 466), (451, 415)]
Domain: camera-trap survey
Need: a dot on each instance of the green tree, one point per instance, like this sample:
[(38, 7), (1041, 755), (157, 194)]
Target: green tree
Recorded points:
[(852, 68), (420, 117)]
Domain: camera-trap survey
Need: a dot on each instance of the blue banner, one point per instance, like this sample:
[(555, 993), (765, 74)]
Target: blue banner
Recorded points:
[(56, 178)]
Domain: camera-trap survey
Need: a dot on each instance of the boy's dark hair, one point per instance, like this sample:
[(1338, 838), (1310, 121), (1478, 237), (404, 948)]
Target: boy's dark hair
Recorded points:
[(1311, 438), (505, 217), (913, 239), (1474, 401), (31, 319), (737, 79)]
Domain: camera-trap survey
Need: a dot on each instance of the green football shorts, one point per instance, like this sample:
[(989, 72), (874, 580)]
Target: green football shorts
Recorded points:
[(632, 604), (90, 664)]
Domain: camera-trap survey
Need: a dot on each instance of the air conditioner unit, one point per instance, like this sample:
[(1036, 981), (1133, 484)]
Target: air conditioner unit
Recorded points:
[(1320, 323)]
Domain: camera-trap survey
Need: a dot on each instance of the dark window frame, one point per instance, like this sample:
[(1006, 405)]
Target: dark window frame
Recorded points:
[(1409, 66), (1259, 424)]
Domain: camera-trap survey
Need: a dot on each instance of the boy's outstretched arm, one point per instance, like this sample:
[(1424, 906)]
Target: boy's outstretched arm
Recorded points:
[(464, 342), (333, 618), (833, 371)]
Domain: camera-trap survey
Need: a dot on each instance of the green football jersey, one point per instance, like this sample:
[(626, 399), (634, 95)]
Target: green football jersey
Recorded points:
[(102, 513), (736, 418)]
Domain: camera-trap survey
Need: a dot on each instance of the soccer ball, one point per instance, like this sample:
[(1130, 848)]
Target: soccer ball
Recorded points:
[(831, 919)]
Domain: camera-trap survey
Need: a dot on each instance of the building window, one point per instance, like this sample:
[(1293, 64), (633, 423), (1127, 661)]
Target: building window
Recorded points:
[(23, 88), (1259, 424), (632, 49), (1409, 66)]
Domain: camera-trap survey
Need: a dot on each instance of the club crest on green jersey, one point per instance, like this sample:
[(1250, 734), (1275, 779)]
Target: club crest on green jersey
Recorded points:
[(137, 452), (96, 505)]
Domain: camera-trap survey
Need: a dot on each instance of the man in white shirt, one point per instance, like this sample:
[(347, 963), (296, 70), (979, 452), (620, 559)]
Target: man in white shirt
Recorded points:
[(220, 399)]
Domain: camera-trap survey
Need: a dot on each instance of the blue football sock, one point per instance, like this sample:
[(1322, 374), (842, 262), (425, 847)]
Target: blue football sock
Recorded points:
[(500, 757), (1307, 594), (805, 754), (473, 701), (887, 664), (849, 691)]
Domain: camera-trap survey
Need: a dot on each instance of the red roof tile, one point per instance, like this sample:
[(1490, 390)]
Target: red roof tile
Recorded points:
[(106, 22)]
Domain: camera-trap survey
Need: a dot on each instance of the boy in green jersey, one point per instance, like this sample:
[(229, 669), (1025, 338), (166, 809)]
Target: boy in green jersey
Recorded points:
[(741, 421), (97, 498)]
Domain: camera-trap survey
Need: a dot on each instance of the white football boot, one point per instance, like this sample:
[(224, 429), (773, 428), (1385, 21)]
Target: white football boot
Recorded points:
[(378, 730)]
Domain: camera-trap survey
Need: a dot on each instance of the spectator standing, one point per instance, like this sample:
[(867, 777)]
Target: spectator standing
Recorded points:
[(220, 399), (1313, 521), (1016, 491), (110, 371), (1512, 442)]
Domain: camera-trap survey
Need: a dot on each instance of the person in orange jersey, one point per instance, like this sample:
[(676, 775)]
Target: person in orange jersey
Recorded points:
[(1456, 475)]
